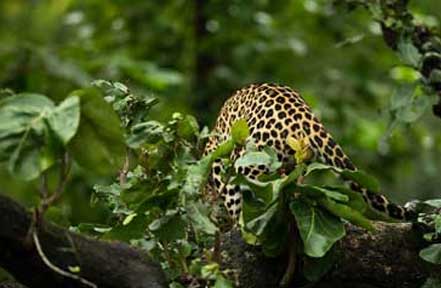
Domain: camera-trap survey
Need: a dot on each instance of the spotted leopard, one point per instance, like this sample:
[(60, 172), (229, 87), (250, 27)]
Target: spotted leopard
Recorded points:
[(274, 113)]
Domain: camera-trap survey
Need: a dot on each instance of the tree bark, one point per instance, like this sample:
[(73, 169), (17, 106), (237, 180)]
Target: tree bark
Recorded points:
[(386, 258), (105, 264)]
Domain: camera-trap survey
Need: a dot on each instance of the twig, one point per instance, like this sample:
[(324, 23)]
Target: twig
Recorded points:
[(62, 181), (44, 190), (124, 170), (56, 269), (288, 276)]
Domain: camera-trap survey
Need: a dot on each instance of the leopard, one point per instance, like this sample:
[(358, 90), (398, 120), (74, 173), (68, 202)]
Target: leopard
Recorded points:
[(275, 113)]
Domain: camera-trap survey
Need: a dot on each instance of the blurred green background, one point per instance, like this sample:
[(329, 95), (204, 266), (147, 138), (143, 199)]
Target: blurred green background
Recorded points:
[(192, 54)]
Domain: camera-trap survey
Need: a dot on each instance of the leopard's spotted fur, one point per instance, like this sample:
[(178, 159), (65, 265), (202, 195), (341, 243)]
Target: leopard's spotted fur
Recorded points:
[(273, 114)]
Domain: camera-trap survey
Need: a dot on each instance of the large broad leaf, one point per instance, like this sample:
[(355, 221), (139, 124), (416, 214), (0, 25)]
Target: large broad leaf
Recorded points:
[(31, 130), (198, 215), (432, 253), (99, 143), (316, 166), (135, 229), (358, 176), (257, 225), (316, 268), (319, 192), (319, 229), (65, 119), (347, 213), (197, 173), (362, 178), (271, 228), (169, 227), (256, 197), (23, 134), (356, 200)]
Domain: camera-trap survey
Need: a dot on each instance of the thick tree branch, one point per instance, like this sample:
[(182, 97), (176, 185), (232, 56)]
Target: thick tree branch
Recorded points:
[(386, 258), (106, 264)]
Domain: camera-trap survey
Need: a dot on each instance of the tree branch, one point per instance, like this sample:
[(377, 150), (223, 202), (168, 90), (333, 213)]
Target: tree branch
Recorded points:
[(387, 258), (397, 22), (106, 264)]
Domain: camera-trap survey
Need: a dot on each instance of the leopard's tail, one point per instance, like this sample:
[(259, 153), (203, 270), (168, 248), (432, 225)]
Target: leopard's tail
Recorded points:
[(332, 154)]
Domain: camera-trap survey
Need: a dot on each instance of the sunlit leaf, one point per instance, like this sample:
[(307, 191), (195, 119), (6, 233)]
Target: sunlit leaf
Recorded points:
[(302, 148), (240, 131)]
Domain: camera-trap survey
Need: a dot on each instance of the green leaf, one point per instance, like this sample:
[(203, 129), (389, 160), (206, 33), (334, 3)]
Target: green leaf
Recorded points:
[(129, 219), (99, 143), (409, 53), (149, 132), (133, 230), (188, 128), (256, 199), (347, 213), (223, 150), (362, 178), (319, 229), (258, 158), (198, 215), (74, 269), (258, 224), (408, 103), (240, 131), (432, 283), (434, 203), (315, 268), (437, 222), (25, 139), (65, 119), (184, 248), (175, 285), (316, 166), (170, 227), (222, 282), (197, 174), (356, 200), (317, 192), (432, 253)]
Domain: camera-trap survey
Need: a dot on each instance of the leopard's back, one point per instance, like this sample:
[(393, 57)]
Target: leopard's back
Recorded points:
[(275, 113)]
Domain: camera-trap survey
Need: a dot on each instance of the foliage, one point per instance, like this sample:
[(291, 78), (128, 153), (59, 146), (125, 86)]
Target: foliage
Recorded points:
[(159, 202), (191, 56), (430, 217)]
